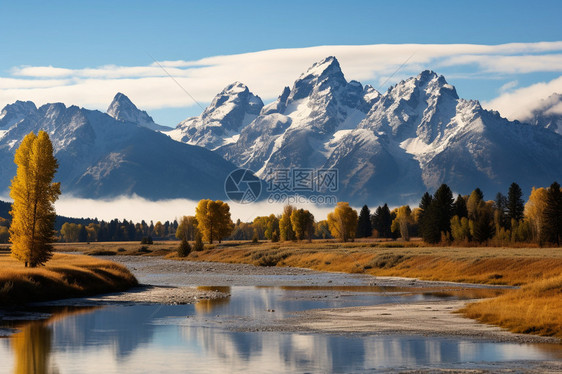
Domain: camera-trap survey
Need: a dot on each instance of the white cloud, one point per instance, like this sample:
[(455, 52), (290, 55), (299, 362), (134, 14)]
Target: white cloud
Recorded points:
[(509, 86), (518, 104), (136, 208), (554, 110), (494, 63), (265, 72)]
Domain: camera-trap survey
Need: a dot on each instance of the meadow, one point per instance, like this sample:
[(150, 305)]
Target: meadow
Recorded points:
[(64, 276), (535, 307)]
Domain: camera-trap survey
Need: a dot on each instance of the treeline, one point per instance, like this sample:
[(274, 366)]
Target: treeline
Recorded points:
[(440, 218), (116, 230), (292, 224)]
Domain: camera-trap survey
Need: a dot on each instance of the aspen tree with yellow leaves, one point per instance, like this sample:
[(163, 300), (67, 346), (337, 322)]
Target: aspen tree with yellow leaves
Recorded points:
[(213, 220), (34, 195), (343, 222)]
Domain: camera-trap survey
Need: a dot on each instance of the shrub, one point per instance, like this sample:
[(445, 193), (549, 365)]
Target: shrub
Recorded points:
[(144, 249), (184, 248), (385, 261), (147, 240), (198, 246)]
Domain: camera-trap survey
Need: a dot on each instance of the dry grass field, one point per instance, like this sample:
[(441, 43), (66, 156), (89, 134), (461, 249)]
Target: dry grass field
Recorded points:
[(65, 275), (534, 308)]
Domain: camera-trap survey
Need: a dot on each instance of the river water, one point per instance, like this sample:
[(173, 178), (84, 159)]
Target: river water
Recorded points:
[(233, 335)]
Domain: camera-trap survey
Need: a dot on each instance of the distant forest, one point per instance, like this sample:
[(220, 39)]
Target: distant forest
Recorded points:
[(439, 218)]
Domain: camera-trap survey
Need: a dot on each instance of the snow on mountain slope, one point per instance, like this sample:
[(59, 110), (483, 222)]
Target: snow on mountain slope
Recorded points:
[(429, 136), (392, 147), (389, 147), (123, 109), (298, 129), (549, 114), (231, 110), (14, 113), (101, 157)]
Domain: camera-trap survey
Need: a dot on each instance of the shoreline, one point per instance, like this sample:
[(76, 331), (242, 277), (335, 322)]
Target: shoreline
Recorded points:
[(64, 276), (427, 318), (168, 281)]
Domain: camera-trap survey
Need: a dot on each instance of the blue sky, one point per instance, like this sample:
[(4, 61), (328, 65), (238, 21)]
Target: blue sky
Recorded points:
[(85, 37)]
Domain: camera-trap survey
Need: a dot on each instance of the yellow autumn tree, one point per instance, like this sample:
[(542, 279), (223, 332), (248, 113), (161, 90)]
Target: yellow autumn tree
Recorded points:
[(34, 195), (187, 228), (534, 210), (285, 225), (302, 222), (213, 220), (342, 222), (403, 222)]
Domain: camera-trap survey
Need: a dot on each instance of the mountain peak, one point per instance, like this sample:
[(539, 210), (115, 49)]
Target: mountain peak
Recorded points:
[(428, 81), (123, 109), (328, 66), (235, 87), (322, 74), (236, 94), (13, 113), (119, 103)]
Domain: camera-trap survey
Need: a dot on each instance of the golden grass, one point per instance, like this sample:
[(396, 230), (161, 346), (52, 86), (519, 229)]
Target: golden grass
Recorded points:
[(500, 266), (534, 309), (64, 276)]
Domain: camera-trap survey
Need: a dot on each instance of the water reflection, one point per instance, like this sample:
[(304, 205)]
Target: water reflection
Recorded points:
[(206, 306), (32, 349), (179, 338)]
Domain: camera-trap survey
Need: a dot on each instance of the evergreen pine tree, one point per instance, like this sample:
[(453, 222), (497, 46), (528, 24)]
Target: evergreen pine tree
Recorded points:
[(424, 207), (459, 208), (364, 228), (375, 221), (552, 215), (443, 200), (431, 232), (385, 222), (515, 205)]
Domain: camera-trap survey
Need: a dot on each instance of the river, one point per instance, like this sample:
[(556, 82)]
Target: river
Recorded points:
[(256, 329)]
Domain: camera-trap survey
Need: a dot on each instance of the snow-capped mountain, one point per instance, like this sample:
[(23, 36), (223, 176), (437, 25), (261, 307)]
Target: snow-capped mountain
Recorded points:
[(14, 113), (220, 124), (421, 134), (394, 146), (123, 109), (549, 114), (389, 147), (100, 156), (301, 128)]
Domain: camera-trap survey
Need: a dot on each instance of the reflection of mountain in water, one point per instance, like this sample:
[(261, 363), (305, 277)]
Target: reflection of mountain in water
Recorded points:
[(176, 338), (122, 327)]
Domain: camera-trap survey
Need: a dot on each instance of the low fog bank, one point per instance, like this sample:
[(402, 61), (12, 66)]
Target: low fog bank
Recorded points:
[(137, 208)]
